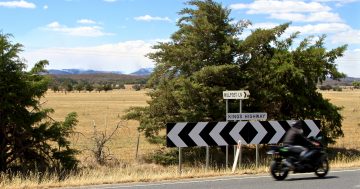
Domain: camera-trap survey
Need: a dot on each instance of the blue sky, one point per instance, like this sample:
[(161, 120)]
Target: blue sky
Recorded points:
[(116, 34)]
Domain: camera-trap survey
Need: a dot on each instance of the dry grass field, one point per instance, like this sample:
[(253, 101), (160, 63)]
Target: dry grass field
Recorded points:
[(105, 110), (102, 110), (350, 101)]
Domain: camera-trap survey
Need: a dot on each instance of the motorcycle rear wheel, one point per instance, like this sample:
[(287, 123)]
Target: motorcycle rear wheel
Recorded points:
[(323, 168), (278, 170)]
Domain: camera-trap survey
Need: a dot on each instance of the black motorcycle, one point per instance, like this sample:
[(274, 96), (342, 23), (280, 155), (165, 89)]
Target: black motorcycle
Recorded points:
[(316, 161)]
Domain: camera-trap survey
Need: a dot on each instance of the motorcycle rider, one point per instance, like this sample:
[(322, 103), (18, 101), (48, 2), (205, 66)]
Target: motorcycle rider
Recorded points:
[(297, 143)]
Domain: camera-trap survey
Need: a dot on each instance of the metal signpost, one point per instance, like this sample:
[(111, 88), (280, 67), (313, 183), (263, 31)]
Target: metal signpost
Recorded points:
[(234, 95)]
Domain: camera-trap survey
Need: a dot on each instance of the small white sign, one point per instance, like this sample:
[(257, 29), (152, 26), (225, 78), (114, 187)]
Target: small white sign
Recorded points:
[(246, 116), (236, 94)]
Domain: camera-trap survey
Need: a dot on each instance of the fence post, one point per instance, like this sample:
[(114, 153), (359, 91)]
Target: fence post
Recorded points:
[(137, 146)]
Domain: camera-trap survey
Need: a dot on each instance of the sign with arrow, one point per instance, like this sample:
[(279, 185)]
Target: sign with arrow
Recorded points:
[(188, 134), (243, 94)]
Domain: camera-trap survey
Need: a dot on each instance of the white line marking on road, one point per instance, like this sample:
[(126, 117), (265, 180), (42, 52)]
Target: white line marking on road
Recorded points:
[(200, 180), (183, 182)]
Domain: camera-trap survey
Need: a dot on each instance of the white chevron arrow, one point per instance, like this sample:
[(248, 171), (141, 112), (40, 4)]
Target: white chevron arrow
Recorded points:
[(314, 129), (235, 132), (291, 122), (215, 134), (279, 132), (195, 134), (174, 134), (261, 132)]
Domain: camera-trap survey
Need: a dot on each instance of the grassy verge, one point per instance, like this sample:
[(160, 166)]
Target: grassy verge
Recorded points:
[(139, 173)]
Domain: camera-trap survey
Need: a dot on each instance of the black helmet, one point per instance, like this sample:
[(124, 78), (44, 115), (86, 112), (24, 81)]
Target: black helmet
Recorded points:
[(297, 124)]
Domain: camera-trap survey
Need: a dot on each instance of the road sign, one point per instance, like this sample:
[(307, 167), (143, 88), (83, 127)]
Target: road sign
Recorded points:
[(244, 94), (246, 116), (187, 134)]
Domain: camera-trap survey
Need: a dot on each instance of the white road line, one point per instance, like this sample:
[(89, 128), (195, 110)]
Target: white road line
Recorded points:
[(201, 181), (185, 182)]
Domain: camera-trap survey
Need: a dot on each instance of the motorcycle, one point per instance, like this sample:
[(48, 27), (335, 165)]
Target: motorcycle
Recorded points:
[(316, 161)]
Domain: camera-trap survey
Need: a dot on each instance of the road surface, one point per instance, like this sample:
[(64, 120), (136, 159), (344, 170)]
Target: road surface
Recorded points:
[(340, 179)]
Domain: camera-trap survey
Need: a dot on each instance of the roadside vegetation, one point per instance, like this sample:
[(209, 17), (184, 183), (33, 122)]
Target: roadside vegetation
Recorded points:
[(43, 145)]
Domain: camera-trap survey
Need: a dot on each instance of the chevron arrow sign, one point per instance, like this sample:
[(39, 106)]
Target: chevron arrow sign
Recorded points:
[(188, 134)]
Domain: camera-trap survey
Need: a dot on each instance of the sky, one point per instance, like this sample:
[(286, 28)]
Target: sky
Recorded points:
[(115, 35)]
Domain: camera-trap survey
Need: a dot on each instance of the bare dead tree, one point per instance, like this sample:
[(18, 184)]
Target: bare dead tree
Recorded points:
[(100, 150)]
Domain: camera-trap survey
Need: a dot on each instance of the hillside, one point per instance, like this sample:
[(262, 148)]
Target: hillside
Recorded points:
[(347, 81), (102, 78)]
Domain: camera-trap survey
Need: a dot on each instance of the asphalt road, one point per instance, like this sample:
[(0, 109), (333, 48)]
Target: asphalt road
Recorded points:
[(341, 179)]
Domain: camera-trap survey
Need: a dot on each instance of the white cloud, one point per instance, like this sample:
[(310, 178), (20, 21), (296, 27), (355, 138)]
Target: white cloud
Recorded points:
[(312, 17), (308, 28), (350, 63), (126, 56), (18, 4), (86, 21), (275, 6), (149, 18), (263, 25), (82, 31), (45, 7), (339, 3), (298, 11), (322, 28), (350, 36), (110, 1)]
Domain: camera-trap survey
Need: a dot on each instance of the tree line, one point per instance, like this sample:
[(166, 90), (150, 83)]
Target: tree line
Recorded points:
[(72, 85)]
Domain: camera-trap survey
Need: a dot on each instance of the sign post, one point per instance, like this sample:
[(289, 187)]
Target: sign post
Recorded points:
[(234, 95), (180, 161)]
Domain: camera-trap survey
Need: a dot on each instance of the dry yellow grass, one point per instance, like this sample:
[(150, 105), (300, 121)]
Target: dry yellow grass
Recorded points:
[(107, 108), (350, 101)]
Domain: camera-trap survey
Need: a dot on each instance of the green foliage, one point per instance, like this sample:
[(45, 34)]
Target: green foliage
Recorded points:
[(29, 138), (326, 87), (337, 88), (79, 87), (136, 87), (107, 87), (206, 57), (164, 157), (89, 87), (356, 84)]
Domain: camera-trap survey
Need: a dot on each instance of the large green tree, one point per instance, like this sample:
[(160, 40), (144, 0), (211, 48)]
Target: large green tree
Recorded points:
[(29, 138), (206, 56)]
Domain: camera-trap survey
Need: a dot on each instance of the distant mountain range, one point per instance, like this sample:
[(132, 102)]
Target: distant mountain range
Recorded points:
[(148, 71), (347, 81), (140, 72)]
